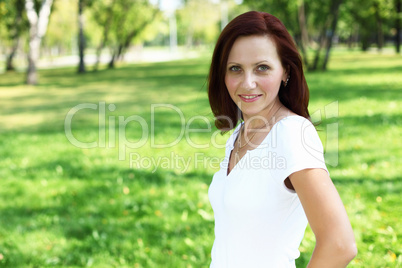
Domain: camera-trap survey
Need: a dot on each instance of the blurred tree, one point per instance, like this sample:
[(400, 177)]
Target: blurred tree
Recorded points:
[(304, 39), (370, 20), (81, 37), (102, 13), (131, 18), (38, 18), (379, 21), (12, 15), (327, 34), (285, 10), (198, 22), (307, 21), (61, 34), (398, 10), (82, 4)]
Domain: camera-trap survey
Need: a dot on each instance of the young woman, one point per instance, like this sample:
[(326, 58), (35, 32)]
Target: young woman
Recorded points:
[(273, 178)]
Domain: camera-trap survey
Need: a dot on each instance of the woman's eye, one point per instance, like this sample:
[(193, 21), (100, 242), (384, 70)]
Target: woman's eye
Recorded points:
[(234, 68), (263, 68)]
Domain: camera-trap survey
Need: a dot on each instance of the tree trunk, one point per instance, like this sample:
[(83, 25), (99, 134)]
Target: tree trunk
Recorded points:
[(105, 37), (10, 57), (124, 43), (116, 54), (398, 26), (303, 32), (112, 60), (365, 39), (380, 33), (120, 50), (335, 11), (37, 29), (321, 41), (349, 42), (81, 37), (173, 28), (99, 52), (33, 57), (15, 36), (317, 57), (354, 36)]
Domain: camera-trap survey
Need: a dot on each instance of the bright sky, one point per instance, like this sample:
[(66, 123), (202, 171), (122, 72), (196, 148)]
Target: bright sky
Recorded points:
[(167, 4), (170, 5)]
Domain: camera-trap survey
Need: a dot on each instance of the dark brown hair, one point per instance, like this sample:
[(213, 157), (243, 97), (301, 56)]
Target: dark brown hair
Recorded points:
[(294, 96)]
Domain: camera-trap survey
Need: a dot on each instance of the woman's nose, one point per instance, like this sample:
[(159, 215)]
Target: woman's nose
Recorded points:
[(249, 81)]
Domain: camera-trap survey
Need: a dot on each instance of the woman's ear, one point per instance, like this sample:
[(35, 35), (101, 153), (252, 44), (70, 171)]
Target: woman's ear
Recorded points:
[(286, 73), (286, 76)]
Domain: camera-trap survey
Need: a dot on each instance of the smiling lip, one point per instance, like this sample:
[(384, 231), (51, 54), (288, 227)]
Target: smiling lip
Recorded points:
[(249, 98)]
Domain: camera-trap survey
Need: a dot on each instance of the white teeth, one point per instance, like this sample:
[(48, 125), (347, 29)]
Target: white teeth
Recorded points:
[(250, 97)]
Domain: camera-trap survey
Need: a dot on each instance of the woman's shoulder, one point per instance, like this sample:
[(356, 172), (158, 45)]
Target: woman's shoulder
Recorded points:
[(294, 130), (296, 135), (294, 122)]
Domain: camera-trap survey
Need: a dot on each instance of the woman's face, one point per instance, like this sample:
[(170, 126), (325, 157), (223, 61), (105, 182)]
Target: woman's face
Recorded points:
[(253, 75)]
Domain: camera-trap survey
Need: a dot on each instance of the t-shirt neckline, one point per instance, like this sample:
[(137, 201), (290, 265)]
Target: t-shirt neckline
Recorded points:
[(259, 145)]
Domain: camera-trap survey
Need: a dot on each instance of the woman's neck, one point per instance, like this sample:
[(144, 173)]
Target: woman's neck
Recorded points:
[(261, 121)]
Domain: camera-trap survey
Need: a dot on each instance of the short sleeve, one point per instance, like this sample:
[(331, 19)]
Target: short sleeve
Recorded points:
[(297, 144)]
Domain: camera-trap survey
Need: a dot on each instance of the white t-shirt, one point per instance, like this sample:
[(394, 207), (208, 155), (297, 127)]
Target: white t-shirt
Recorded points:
[(259, 222)]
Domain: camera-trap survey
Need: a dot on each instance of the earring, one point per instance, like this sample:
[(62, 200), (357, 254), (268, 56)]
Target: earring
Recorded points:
[(286, 82)]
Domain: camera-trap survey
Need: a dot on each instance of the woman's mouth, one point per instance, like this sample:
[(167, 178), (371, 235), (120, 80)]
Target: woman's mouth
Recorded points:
[(249, 98)]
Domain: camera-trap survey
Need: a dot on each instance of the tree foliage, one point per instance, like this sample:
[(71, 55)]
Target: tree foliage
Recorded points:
[(117, 24), (371, 20), (61, 35), (312, 24), (315, 23), (198, 22), (122, 22), (14, 25)]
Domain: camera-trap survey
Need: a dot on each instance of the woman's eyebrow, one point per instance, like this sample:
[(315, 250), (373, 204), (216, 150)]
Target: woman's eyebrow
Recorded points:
[(263, 61), (257, 63)]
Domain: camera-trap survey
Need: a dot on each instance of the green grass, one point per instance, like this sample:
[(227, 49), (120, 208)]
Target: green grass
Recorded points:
[(61, 205)]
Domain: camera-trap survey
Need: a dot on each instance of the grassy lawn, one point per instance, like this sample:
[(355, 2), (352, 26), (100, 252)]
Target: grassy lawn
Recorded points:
[(137, 197)]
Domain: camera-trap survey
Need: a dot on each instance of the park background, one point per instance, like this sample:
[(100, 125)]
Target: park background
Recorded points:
[(100, 203)]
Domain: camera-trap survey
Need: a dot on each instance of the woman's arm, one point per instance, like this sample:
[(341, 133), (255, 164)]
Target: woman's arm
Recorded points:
[(335, 242)]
